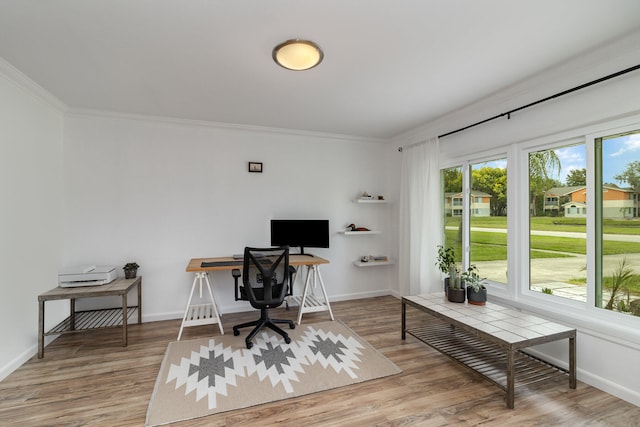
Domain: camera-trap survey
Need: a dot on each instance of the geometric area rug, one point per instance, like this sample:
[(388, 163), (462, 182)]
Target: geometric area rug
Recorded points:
[(206, 376)]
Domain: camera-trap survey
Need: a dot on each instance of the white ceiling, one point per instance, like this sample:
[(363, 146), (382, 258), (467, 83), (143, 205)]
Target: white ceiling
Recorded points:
[(389, 65)]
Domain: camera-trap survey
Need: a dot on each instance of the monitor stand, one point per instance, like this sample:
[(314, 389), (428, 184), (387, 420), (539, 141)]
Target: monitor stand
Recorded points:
[(302, 252)]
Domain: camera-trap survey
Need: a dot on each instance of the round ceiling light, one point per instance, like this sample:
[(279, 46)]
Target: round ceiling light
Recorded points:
[(297, 55)]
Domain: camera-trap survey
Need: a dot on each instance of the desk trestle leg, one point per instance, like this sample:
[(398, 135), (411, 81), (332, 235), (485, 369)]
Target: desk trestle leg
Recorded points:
[(309, 303), (203, 314)]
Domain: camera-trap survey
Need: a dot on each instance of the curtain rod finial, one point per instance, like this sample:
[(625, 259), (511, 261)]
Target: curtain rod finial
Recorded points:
[(400, 149)]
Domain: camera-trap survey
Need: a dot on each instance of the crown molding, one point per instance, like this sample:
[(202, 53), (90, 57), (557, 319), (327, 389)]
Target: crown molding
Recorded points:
[(22, 81), (80, 112)]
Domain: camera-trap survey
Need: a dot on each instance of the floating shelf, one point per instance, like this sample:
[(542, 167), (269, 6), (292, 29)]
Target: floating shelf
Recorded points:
[(373, 263), (354, 233), (371, 201)]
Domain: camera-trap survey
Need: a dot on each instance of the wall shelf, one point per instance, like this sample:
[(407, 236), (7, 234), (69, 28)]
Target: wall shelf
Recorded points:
[(355, 233), (376, 201), (358, 263)]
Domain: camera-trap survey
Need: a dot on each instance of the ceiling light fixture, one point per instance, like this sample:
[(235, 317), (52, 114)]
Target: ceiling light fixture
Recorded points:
[(297, 55)]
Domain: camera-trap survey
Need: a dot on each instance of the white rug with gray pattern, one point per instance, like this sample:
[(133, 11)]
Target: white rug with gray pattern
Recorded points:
[(210, 375)]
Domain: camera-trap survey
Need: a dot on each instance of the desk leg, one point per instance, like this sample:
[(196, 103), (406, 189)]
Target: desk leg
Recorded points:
[(404, 321), (316, 269), (313, 273), (572, 362), (186, 311), (40, 329), (72, 314), (304, 294), (140, 302), (124, 320), (510, 379), (214, 302)]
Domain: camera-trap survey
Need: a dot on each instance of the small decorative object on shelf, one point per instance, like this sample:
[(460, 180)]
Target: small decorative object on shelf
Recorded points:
[(364, 258), (366, 196), (352, 227), (130, 270)]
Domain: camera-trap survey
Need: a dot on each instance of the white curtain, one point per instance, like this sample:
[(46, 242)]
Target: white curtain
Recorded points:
[(420, 219)]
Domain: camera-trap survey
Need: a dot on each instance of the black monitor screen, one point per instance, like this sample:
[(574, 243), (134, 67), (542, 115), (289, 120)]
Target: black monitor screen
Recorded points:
[(304, 233)]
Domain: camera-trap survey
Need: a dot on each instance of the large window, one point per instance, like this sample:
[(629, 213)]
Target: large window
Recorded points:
[(560, 205), (488, 219), (618, 223), (557, 221), (452, 210), (573, 242), (478, 221)]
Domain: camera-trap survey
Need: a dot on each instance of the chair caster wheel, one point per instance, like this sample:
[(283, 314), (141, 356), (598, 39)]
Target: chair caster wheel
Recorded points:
[(292, 326), (236, 333), (249, 345), (287, 340)]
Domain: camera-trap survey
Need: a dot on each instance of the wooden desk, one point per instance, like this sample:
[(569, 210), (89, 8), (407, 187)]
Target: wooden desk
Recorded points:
[(205, 314), (488, 339), (93, 319)]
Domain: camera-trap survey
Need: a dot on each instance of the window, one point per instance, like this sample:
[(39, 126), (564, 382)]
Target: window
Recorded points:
[(485, 225), (617, 286), (488, 222), (451, 180), (557, 237)]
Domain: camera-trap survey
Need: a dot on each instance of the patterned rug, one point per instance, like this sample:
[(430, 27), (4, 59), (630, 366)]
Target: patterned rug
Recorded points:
[(210, 375)]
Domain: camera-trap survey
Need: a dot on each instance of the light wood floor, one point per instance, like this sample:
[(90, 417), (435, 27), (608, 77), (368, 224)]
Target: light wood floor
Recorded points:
[(90, 379)]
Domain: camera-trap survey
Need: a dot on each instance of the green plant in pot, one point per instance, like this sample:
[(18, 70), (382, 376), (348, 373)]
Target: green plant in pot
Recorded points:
[(476, 291), (445, 261), (456, 291), (130, 270)]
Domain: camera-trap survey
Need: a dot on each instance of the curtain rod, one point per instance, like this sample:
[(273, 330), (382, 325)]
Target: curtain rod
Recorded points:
[(548, 98)]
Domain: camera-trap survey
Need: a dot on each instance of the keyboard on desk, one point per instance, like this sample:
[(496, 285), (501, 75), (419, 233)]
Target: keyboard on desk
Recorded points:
[(206, 264)]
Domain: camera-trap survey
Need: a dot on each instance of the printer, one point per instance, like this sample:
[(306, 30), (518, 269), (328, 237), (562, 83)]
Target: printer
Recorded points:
[(88, 275)]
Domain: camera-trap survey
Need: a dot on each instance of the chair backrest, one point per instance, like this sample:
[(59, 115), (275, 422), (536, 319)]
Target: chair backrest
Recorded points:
[(265, 275)]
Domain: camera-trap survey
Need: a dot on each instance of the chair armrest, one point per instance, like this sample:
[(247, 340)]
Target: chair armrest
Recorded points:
[(236, 275)]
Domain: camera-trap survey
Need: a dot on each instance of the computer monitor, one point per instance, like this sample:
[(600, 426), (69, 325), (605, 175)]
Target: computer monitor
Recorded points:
[(302, 233)]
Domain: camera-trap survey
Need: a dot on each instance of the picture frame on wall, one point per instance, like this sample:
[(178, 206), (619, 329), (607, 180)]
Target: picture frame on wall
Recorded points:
[(255, 167)]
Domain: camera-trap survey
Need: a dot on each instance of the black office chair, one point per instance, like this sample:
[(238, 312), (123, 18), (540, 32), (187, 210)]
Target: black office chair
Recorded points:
[(265, 283)]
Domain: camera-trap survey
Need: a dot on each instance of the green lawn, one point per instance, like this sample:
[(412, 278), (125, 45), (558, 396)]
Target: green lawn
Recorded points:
[(610, 226), (488, 246)]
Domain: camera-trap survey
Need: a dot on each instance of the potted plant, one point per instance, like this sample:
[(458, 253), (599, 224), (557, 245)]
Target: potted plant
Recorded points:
[(455, 292), (446, 259), (130, 270), (476, 291)]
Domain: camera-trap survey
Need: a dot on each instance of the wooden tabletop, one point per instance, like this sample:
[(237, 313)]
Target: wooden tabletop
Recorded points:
[(117, 287), (229, 263)]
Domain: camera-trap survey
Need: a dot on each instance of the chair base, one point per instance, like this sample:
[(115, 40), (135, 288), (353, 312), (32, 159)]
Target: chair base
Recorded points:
[(264, 321)]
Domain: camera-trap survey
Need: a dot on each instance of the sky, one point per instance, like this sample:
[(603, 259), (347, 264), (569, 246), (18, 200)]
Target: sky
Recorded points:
[(617, 153)]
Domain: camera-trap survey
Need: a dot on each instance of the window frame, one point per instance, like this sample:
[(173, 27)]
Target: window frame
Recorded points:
[(494, 288), (615, 327)]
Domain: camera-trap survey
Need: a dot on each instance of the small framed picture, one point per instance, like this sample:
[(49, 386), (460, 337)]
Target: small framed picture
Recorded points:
[(255, 167)]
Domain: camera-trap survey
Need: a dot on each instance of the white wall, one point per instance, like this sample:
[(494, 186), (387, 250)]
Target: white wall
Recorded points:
[(31, 194), (607, 354), (162, 192)]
